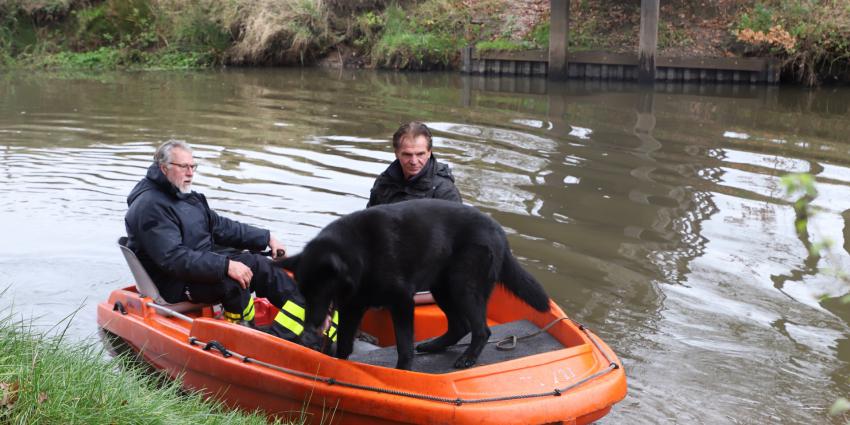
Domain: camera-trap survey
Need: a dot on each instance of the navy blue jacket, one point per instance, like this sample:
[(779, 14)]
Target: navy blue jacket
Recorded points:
[(435, 180), (175, 235)]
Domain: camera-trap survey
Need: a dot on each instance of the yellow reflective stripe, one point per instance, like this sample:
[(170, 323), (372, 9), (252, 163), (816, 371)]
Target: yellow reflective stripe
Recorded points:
[(294, 309), (331, 332), (248, 313), (296, 325), (232, 316), (289, 323)]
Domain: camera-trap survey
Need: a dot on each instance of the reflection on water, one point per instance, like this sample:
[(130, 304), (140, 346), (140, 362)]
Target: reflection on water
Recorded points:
[(656, 218)]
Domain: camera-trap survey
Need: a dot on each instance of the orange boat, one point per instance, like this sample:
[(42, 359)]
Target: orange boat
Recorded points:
[(543, 368)]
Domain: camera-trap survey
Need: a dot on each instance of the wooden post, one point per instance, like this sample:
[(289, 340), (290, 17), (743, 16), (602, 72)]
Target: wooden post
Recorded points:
[(559, 29), (648, 41), (466, 60)]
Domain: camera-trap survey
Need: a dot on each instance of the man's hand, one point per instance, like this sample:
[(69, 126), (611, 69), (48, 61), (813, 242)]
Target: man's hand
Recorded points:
[(277, 248), (240, 273)]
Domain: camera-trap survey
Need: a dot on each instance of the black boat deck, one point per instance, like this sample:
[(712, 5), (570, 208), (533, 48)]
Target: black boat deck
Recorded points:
[(442, 362)]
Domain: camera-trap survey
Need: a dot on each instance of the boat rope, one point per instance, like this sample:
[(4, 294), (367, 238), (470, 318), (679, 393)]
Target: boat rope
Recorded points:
[(456, 401)]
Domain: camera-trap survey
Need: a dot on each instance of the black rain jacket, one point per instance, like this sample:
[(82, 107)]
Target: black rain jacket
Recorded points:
[(175, 235), (434, 181)]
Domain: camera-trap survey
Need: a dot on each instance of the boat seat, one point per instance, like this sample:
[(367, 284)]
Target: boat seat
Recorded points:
[(145, 285)]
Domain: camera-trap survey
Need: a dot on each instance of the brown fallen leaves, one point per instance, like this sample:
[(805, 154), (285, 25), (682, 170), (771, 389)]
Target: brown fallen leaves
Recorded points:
[(776, 36), (8, 395), (9, 392)]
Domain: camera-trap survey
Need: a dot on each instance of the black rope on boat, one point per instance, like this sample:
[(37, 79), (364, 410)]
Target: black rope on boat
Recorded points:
[(118, 306), (507, 344), (557, 392), (510, 342), (217, 345)]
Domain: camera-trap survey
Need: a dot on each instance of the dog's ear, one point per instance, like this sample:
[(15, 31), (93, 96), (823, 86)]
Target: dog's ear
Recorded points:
[(289, 263)]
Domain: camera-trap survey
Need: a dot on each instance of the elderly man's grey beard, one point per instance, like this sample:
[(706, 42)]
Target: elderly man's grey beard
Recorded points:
[(181, 187)]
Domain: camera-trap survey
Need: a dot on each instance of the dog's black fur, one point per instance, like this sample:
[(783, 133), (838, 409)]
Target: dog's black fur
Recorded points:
[(383, 255)]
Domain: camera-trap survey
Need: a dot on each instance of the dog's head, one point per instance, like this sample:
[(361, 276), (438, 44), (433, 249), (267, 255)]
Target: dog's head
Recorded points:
[(323, 279)]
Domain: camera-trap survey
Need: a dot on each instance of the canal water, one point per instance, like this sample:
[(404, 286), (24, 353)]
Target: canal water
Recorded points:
[(657, 218)]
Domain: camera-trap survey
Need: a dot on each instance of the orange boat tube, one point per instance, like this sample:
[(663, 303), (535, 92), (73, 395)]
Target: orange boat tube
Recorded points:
[(577, 383)]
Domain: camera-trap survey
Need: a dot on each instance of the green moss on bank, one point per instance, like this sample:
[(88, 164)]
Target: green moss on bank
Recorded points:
[(46, 379)]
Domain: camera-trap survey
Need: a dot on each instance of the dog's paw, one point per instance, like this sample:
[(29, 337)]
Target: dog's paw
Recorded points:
[(464, 362)]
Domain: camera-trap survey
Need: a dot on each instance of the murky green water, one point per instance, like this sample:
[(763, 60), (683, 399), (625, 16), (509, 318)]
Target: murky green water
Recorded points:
[(656, 218)]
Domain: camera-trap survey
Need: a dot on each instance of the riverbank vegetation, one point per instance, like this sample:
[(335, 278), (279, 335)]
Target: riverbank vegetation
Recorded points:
[(811, 38), (802, 189), (46, 379)]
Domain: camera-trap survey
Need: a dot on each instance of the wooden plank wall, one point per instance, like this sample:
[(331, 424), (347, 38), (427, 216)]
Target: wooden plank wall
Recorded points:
[(613, 66)]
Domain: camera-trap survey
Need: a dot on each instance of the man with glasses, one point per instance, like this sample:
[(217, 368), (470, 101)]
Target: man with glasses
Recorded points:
[(415, 173), (194, 254)]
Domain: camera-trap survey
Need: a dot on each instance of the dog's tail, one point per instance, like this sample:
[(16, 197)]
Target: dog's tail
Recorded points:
[(522, 283)]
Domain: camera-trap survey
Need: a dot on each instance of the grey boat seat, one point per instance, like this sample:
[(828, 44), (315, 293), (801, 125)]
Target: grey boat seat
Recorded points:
[(145, 285)]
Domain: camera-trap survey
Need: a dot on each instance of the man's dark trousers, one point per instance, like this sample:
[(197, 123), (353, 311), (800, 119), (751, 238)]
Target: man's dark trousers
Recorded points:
[(267, 281)]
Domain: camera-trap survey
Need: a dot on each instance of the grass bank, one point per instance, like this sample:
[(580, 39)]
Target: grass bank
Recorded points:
[(46, 379), (812, 38)]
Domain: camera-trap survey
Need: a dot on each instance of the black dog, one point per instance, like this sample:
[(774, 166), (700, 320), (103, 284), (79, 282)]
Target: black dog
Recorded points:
[(383, 255)]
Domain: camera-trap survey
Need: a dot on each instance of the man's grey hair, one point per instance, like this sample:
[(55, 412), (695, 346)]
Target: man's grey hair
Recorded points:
[(163, 152)]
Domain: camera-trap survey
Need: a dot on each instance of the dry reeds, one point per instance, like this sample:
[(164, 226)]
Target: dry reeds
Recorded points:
[(273, 32)]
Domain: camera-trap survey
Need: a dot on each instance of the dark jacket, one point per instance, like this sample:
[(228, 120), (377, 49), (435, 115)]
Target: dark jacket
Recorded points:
[(434, 181), (175, 234)]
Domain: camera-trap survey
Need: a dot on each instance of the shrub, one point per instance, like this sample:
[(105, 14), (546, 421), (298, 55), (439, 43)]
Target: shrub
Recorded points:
[(759, 20), (811, 37), (420, 38), (194, 33), (540, 34), (121, 23), (366, 30)]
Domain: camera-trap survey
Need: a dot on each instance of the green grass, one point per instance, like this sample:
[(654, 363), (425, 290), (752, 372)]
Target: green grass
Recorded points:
[(44, 378), (540, 34), (503, 45), (100, 59), (410, 41)]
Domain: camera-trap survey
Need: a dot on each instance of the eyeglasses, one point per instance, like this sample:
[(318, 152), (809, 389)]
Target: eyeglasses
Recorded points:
[(185, 167)]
